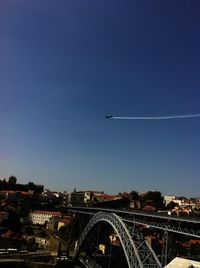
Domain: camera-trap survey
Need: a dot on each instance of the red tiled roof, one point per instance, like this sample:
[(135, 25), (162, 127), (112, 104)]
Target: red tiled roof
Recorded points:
[(4, 213), (65, 220), (47, 212), (56, 217), (90, 191), (13, 192), (108, 196)]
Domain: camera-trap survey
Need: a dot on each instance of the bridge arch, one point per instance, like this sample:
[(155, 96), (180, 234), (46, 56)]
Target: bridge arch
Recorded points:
[(131, 251)]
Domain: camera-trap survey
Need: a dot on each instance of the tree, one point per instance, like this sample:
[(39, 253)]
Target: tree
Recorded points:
[(171, 205), (4, 182), (156, 198), (134, 195), (31, 186), (12, 180), (29, 230), (42, 233)]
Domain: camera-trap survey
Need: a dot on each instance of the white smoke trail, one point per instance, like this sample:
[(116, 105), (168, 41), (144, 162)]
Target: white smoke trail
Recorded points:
[(154, 117)]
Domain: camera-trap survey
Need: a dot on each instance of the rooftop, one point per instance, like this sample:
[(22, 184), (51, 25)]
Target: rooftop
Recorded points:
[(183, 263), (46, 212)]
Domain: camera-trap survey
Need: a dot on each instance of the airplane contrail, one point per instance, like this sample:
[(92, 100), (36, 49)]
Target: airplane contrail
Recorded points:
[(152, 117)]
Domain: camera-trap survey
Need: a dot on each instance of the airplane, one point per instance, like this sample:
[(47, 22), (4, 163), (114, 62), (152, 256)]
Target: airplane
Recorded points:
[(108, 116)]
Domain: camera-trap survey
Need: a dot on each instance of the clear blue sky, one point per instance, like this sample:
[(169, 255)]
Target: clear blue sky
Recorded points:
[(66, 64)]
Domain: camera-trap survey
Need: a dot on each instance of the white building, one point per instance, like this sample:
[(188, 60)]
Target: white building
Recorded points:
[(42, 242), (41, 217), (169, 198), (183, 263)]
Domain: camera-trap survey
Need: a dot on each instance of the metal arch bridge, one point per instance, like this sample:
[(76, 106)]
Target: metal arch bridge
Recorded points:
[(138, 252)]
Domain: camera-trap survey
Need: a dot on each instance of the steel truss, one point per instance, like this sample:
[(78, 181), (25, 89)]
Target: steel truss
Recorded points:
[(165, 249), (185, 226), (170, 225), (138, 252), (145, 250)]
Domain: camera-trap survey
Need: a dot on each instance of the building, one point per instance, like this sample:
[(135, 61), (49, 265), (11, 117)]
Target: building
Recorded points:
[(65, 221), (15, 195), (183, 263), (3, 216), (106, 197), (83, 198), (41, 242), (25, 220), (53, 223), (57, 221), (42, 217), (169, 198)]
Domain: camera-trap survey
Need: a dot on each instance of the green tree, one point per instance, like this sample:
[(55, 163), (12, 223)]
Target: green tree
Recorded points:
[(156, 198), (171, 205), (31, 186), (4, 182), (29, 230), (12, 180), (134, 195)]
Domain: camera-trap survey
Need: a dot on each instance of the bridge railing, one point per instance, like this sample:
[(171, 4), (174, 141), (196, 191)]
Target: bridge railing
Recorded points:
[(182, 225)]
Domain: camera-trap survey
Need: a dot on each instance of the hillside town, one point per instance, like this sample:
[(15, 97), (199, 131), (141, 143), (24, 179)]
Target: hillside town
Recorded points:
[(35, 219)]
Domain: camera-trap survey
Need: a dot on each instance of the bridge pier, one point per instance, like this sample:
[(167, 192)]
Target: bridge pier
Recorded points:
[(164, 256)]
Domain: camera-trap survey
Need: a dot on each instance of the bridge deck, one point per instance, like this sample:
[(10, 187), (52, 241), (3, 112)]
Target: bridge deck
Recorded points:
[(184, 225)]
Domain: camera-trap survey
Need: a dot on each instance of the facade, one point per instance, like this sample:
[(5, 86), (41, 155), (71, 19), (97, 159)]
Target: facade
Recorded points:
[(42, 242), (57, 221), (65, 221), (169, 198), (106, 197), (83, 198), (53, 223), (15, 195), (25, 220), (135, 204), (178, 202), (41, 217), (183, 263)]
